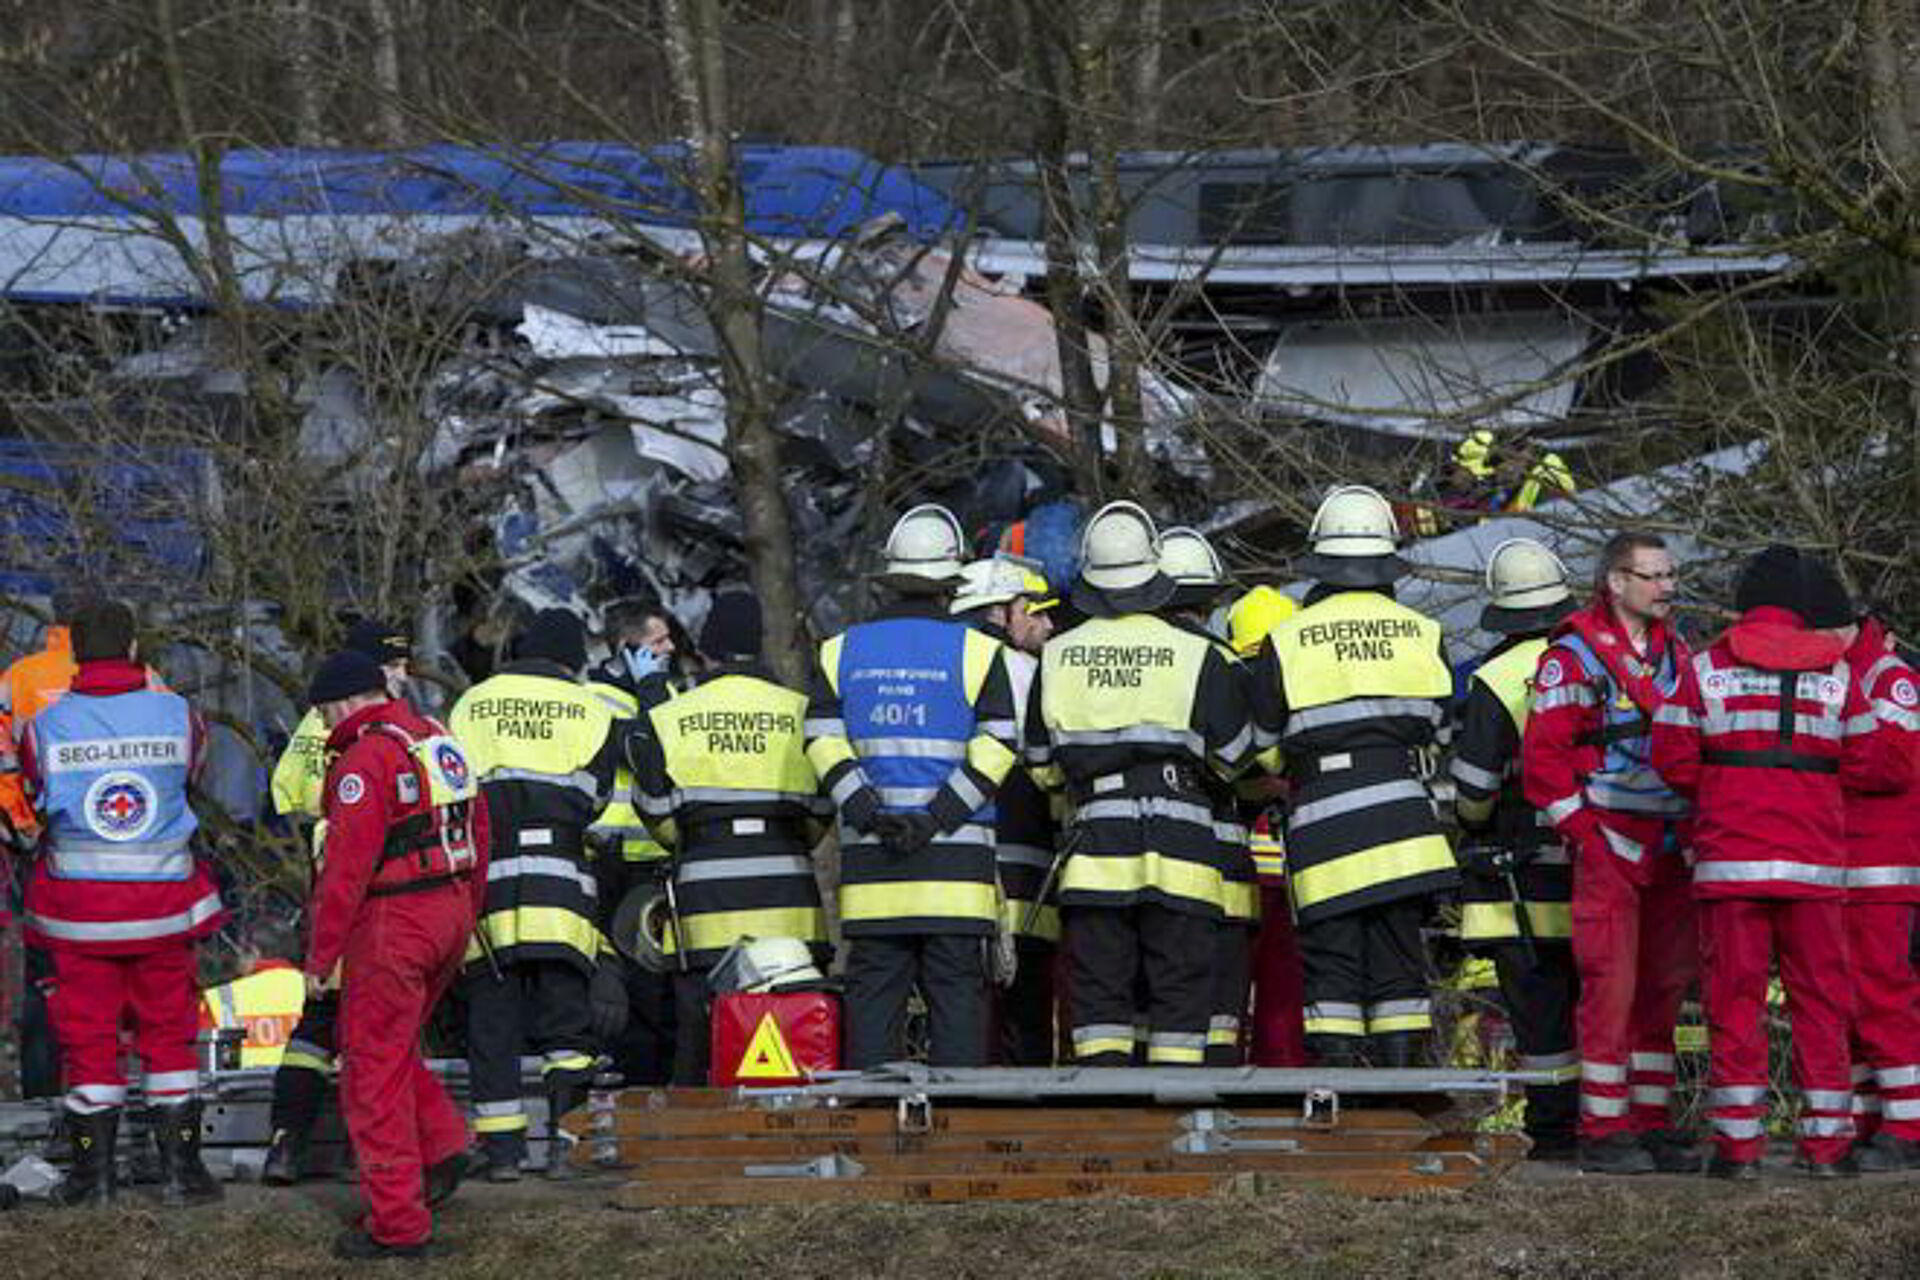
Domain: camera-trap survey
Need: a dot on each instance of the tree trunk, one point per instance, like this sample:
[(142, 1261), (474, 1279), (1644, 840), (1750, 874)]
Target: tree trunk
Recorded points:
[(389, 121), (1886, 27), (696, 58), (303, 73)]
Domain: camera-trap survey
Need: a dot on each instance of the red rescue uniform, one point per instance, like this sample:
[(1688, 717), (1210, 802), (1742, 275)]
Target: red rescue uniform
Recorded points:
[(120, 945), (1768, 722), (1883, 885), (1585, 764), (396, 902)]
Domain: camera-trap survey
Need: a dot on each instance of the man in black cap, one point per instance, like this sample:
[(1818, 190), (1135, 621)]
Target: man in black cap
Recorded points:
[(542, 979), (300, 1083), (722, 777)]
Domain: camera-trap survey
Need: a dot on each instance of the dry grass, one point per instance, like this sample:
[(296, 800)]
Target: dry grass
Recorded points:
[(1560, 1227)]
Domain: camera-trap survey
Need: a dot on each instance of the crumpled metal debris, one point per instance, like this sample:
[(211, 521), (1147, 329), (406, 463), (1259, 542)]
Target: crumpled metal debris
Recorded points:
[(32, 1177)]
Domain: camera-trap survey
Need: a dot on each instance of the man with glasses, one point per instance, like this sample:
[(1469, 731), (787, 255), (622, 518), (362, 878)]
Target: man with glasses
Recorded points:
[(1587, 764)]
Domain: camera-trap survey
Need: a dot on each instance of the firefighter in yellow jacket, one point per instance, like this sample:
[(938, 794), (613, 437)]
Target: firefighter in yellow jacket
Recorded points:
[(1132, 713), (910, 726), (1513, 850), (1355, 687), (545, 750), (721, 775)]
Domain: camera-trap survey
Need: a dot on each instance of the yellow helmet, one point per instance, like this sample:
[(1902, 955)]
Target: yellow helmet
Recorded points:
[(1255, 614)]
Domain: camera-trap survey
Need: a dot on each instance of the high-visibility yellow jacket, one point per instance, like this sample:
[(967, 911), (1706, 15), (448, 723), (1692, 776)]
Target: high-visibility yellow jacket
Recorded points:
[(266, 1003)]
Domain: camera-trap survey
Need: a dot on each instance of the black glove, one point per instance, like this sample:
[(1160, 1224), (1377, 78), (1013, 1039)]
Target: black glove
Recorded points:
[(905, 833), (607, 998), (861, 811)]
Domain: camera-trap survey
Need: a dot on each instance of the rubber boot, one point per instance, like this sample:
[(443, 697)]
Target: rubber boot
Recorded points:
[(439, 1180), (1617, 1154), (1847, 1166), (502, 1154), (1398, 1049), (286, 1159), (1885, 1153), (1729, 1170), (91, 1180), (1672, 1152), (1335, 1051), (184, 1179), (562, 1098)]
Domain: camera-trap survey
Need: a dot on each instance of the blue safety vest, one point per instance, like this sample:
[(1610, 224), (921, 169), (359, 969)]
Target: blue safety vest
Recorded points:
[(904, 702), (114, 786), (1626, 781)]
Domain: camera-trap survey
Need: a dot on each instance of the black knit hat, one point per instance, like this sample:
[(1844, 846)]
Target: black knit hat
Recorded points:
[(1828, 604), (344, 675), (1777, 578), (732, 632), (380, 641), (556, 635)]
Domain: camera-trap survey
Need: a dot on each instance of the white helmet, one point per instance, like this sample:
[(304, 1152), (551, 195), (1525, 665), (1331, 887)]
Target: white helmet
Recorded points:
[(1000, 580), (925, 546), (1353, 521), (1120, 548), (764, 964), (1526, 588), (1189, 559)]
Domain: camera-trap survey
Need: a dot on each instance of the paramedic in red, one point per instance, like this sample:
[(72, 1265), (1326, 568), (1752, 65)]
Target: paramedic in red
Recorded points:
[(118, 899), (1883, 885), (394, 908), (1586, 765), (1769, 723)]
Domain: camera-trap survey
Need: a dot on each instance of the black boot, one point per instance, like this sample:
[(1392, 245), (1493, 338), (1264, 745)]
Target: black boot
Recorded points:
[(1398, 1049), (439, 1180), (502, 1154), (1729, 1170), (358, 1246), (91, 1179), (184, 1180), (1672, 1152), (1335, 1051), (1845, 1167), (1884, 1153), (562, 1098), (1617, 1153), (286, 1159)]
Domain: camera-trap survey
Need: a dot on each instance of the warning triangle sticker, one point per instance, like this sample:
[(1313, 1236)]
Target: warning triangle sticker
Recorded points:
[(767, 1056)]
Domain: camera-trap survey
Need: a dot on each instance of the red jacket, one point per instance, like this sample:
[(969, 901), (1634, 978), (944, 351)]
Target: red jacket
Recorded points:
[(126, 918), (374, 786), (1603, 796), (1766, 773), (1883, 827)]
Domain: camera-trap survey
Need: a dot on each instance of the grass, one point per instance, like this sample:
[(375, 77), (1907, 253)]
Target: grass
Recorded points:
[(1532, 1225)]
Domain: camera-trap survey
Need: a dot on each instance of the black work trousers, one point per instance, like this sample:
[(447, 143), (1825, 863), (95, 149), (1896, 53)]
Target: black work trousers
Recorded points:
[(644, 1053), (693, 1028), (300, 1082), (1232, 992), (1027, 1032), (1366, 972), (950, 969), (1540, 999), (536, 1007), (1148, 956)]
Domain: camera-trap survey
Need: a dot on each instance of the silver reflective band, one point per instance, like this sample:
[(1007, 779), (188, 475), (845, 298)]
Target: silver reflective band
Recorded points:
[(578, 780), (1887, 712), (1603, 1072), (907, 797), (1773, 870), (1631, 850), (535, 838), (1330, 1010), (1472, 775), (1651, 1062), (702, 870), (825, 727), (1367, 797), (1859, 725), (1828, 1099), (1901, 1108), (138, 862), (1719, 722), (1673, 713), (1353, 709), (1005, 730), (1649, 1095), (1566, 695), (744, 795), (1025, 855), (511, 1107), (1736, 1129), (1549, 1061), (1831, 1126), (1563, 808), (848, 783), (1238, 745), (1177, 1040), (1596, 1105), (1896, 1077), (969, 792), (127, 930), (1882, 877), (1103, 1031), (1737, 1095), (1634, 791), (1399, 1009), (911, 748), (1143, 809), (170, 1081), (1223, 1022), (1157, 735), (548, 868)]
